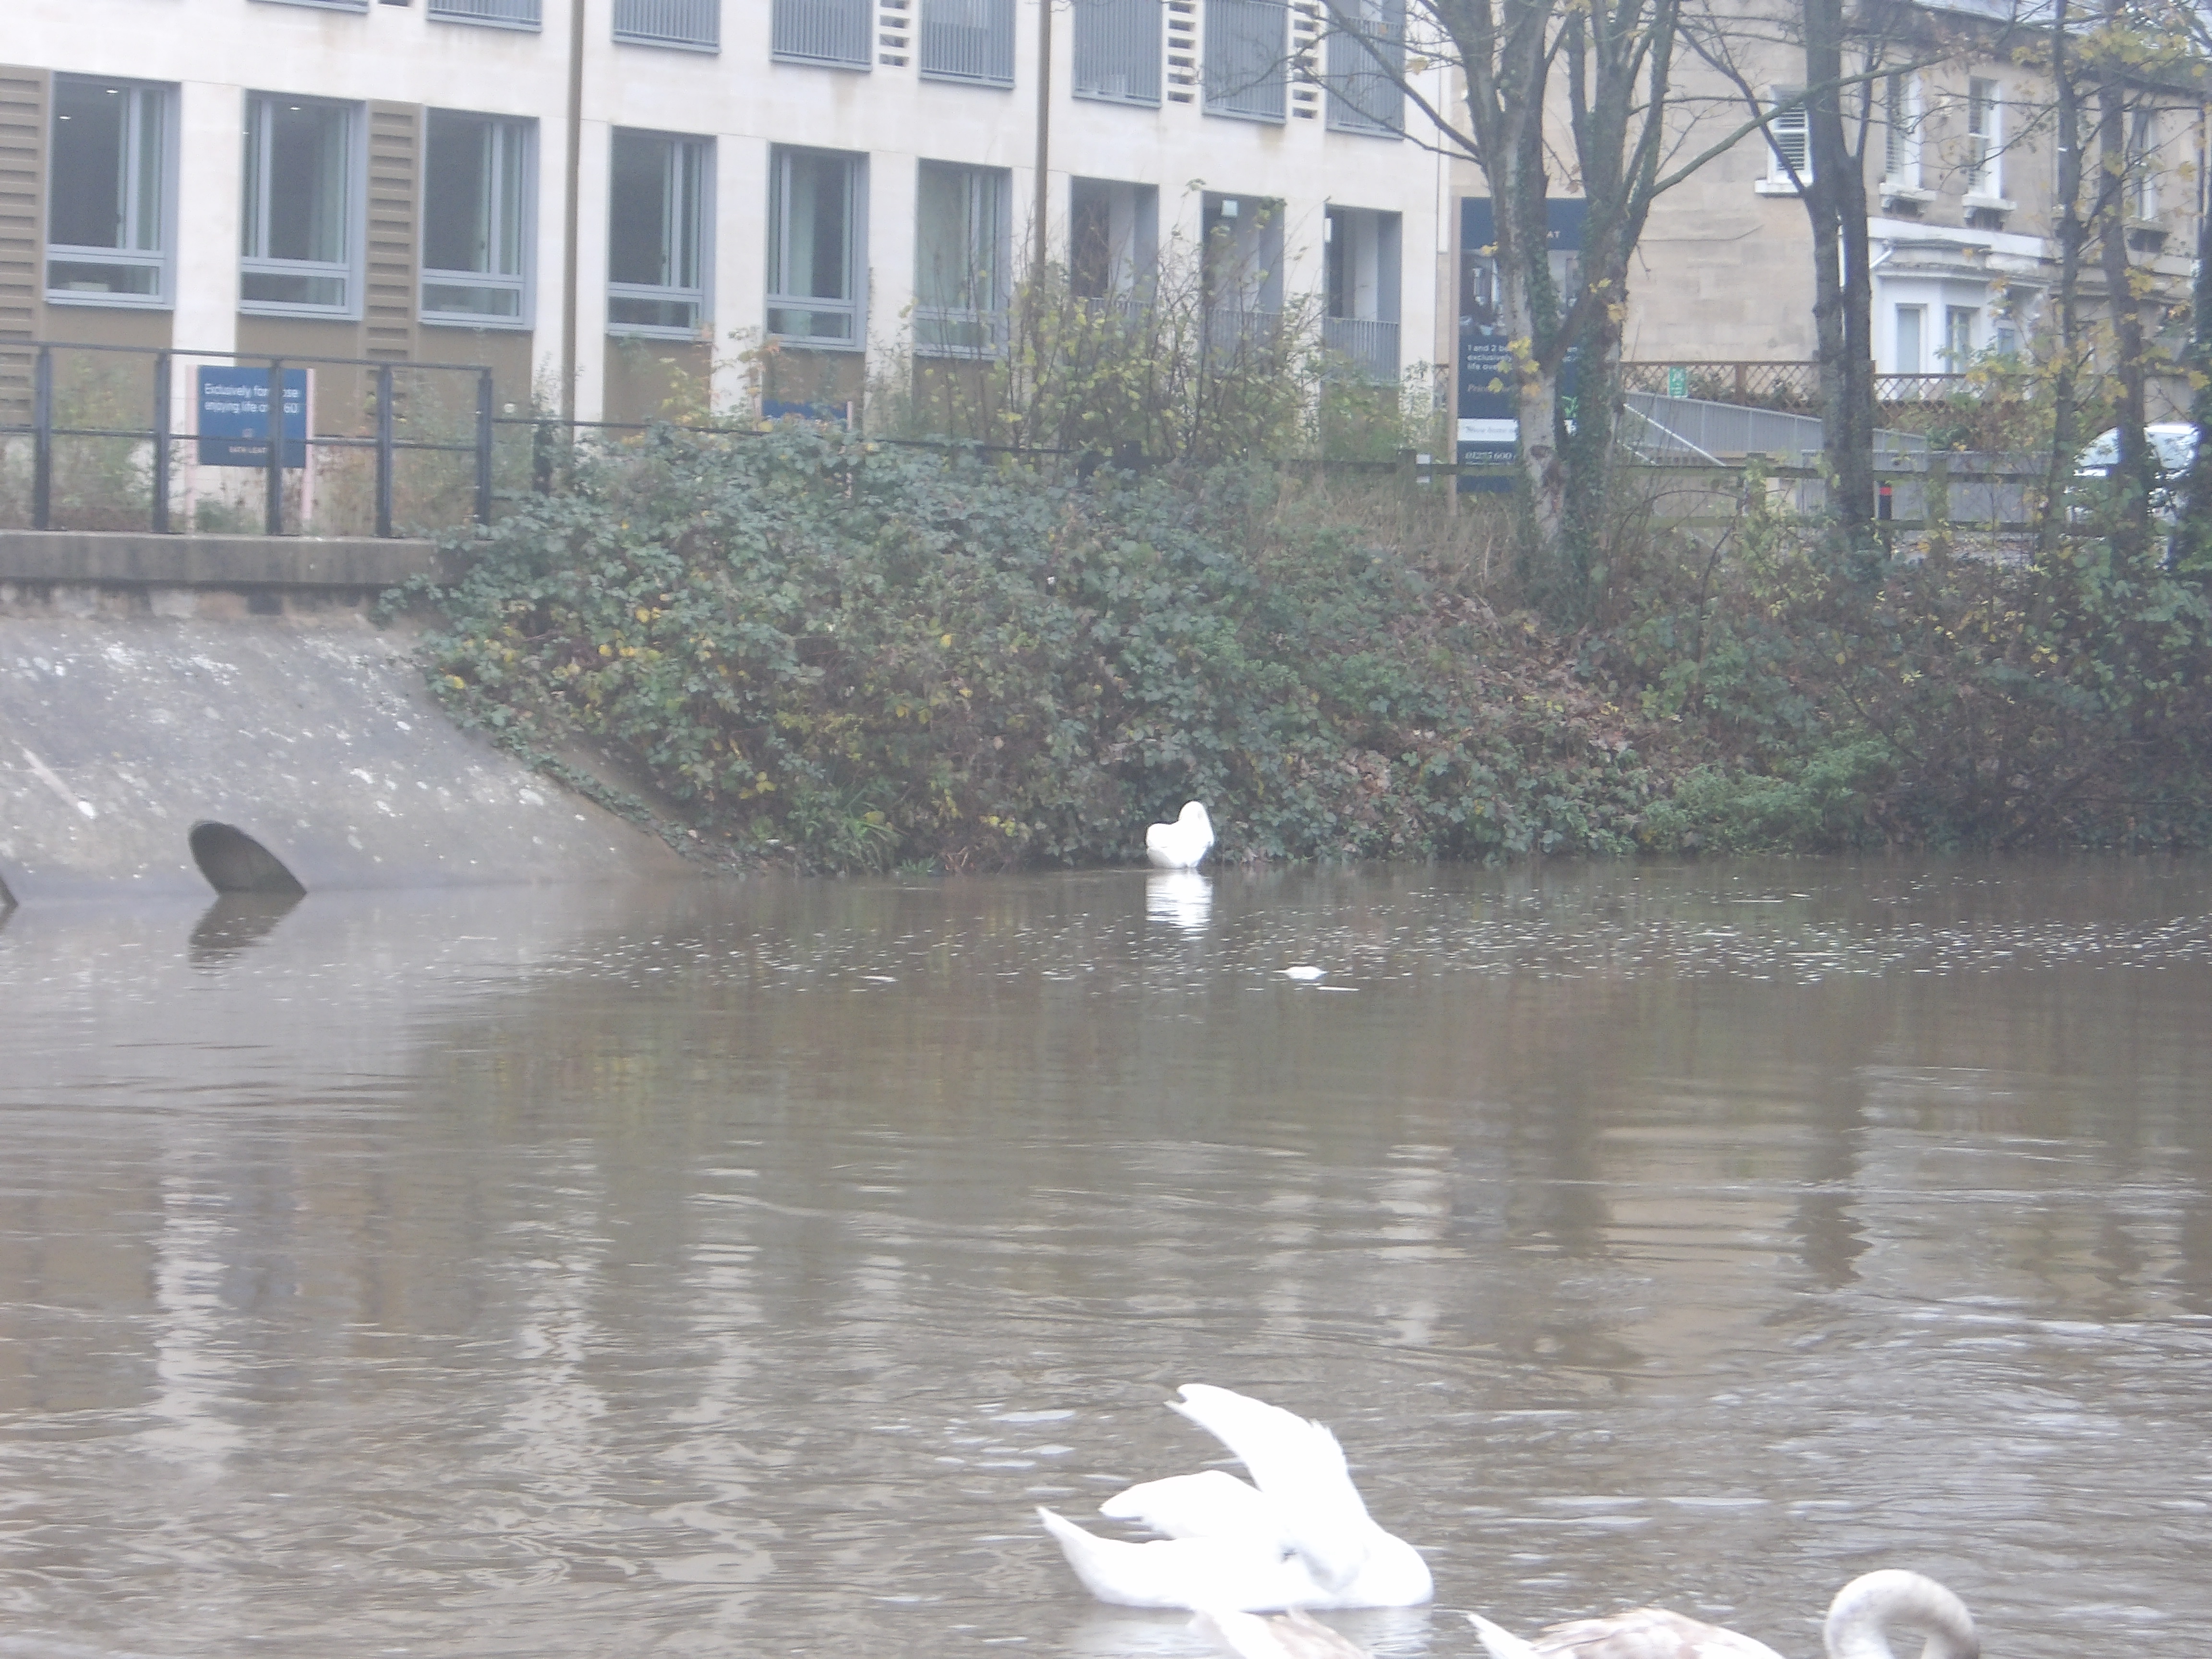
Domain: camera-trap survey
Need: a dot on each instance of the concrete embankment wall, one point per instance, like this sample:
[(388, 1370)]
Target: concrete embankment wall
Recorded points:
[(151, 684)]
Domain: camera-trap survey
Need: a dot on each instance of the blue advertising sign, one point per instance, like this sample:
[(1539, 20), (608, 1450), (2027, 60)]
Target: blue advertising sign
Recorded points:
[(234, 416), (1488, 409)]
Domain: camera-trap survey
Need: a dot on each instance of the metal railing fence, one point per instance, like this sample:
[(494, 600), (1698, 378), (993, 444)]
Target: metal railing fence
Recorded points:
[(79, 432), (1366, 66), (504, 14), (971, 41), (823, 31), (695, 25), (1117, 49), (1247, 58), (1368, 347)]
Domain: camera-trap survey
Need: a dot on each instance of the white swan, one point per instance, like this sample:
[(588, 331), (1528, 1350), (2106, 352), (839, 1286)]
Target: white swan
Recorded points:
[(1859, 1620), (1180, 845), (1298, 1537)]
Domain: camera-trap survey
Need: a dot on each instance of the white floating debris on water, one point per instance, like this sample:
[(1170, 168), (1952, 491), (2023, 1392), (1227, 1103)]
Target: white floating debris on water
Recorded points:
[(1304, 972)]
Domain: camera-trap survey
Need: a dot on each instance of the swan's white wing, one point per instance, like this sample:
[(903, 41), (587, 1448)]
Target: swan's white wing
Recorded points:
[(1293, 1635), (1179, 1572), (1214, 1504), (1301, 1469), (1646, 1634)]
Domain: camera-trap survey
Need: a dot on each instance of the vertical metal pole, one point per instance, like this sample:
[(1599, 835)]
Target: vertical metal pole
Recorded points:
[(274, 426), (162, 376), (484, 446), (42, 439), (383, 445)]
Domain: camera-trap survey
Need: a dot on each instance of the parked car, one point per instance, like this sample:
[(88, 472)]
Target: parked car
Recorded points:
[(2173, 448)]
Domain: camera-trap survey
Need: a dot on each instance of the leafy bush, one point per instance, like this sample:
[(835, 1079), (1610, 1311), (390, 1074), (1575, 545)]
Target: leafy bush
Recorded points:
[(856, 655)]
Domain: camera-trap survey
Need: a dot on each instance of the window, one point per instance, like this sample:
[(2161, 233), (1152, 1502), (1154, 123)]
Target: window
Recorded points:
[(690, 24), (107, 200), (1118, 51), (1910, 320), (813, 254), (1366, 62), (961, 256), (1247, 61), (1984, 140), (833, 32), (1360, 278), (476, 193), (1789, 136), (1242, 272), (1958, 338), (1113, 238), (2142, 165), (1900, 161), (496, 14), (300, 239), (657, 238), (325, 5), (968, 40)]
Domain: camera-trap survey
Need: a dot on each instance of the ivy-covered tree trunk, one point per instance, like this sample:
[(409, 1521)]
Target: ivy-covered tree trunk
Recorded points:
[(2192, 535), (2072, 237), (2132, 476), (1835, 199)]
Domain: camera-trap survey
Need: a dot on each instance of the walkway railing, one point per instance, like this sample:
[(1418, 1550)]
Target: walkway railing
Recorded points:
[(1367, 345), (93, 435)]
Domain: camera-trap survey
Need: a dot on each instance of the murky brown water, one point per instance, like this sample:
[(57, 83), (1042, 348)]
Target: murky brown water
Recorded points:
[(729, 1271)]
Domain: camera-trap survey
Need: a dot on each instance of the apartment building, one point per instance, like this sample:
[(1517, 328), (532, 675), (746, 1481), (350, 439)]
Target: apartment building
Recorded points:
[(596, 197)]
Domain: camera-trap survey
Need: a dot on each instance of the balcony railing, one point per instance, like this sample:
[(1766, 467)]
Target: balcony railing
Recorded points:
[(1366, 348), (495, 14), (1247, 58), (1234, 334), (691, 25), (1118, 51), (971, 41), (834, 32), (1367, 68), (958, 331)]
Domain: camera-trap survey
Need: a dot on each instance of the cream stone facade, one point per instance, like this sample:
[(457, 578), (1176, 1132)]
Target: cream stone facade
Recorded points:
[(1961, 176), (589, 195)]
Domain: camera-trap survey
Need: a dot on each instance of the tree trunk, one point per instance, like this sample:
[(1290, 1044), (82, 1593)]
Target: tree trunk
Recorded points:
[(2073, 235), (1836, 201), (2132, 478)]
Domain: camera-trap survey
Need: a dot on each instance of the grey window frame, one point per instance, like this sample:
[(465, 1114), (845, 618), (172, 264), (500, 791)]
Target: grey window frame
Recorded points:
[(515, 129), (1365, 62), (855, 305), (1366, 342), (700, 210), (969, 330), (801, 32), (161, 259), (355, 6), (1245, 78), (659, 23), (1123, 39), (353, 215), (522, 15)]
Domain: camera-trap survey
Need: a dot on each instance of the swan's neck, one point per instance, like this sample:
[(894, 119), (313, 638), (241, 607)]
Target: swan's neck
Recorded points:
[(1865, 1610)]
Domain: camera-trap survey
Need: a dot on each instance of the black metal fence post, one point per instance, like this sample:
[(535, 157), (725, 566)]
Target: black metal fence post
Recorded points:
[(274, 515), (162, 376), (484, 446), (383, 443), (42, 439)]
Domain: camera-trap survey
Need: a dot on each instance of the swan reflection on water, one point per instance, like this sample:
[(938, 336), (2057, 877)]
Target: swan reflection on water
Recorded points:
[(1181, 898), (1132, 1633)]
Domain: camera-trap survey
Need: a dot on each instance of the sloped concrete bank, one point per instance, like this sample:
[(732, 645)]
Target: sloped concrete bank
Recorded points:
[(173, 718)]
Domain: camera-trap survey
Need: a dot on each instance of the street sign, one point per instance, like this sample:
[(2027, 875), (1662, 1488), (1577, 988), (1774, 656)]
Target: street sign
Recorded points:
[(1489, 407), (233, 406)]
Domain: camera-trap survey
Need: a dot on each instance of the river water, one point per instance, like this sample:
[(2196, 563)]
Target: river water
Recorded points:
[(731, 1270)]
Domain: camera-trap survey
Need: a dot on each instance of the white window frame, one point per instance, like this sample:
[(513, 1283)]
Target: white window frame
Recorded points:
[(162, 259), (1902, 114), (1984, 140), (510, 130), (855, 305), (1783, 127), (698, 210), (253, 219), (1958, 329), (1919, 314), (2143, 166)]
